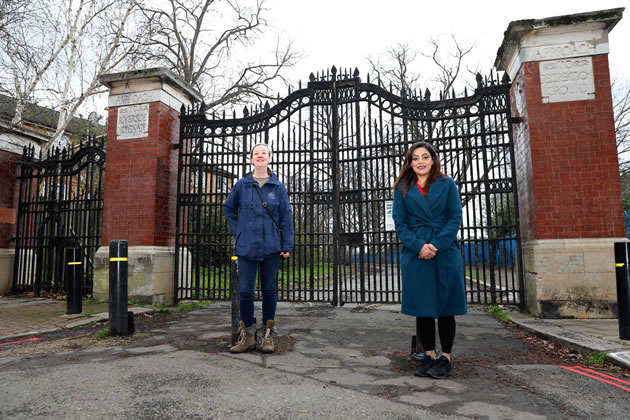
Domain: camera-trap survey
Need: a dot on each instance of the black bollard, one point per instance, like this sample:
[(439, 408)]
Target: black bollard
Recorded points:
[(622, 270), (120, 319), (73, 277), (235, 291)]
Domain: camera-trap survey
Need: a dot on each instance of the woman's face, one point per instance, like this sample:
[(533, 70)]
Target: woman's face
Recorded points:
[(421, 162), (260, 157)]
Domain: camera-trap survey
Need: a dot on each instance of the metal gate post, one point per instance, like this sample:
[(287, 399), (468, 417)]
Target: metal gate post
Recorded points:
[(335, 193)]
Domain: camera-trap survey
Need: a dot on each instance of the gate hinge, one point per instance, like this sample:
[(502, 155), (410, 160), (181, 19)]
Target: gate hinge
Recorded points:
[(515, 120), (176, 146)]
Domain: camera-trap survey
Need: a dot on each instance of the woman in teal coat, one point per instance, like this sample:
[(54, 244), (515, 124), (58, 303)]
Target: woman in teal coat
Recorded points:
[(427, 214)]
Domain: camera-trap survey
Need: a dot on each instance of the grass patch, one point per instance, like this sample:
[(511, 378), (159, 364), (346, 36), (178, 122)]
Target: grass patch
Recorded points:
[(104, 332), (191, 306), (498, 313), (597, 359)]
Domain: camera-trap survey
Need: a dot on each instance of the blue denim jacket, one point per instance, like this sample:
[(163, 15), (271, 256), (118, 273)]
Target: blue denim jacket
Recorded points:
[(256, 233)]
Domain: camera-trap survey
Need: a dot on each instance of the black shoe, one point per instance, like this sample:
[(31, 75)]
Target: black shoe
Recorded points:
[(422, 368), (440, 369), (417, 357)]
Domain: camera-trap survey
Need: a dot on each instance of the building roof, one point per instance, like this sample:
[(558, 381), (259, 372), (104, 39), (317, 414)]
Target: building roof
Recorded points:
[(45, 119)]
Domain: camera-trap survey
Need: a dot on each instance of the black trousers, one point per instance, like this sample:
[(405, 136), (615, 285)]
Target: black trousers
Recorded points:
[(446, 329)]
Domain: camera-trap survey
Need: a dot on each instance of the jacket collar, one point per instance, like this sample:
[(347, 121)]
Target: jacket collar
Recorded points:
[(249, 179)]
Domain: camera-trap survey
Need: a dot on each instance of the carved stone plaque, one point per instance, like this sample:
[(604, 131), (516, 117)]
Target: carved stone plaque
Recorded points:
[(570, 79), (133, 122)]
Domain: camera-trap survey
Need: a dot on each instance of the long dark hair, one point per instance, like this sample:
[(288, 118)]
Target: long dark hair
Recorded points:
[(407, 176)]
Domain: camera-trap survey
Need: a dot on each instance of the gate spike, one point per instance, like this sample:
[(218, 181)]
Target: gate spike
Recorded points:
[(427, 94), (223, 113), (245, 111), (453, 94), (441, 96), (403, 93), (465, 91), (311, 77), (506, 79), (333, 70), (356, 72), (300, 84), (479, 80), (202, 108), (267, 105), (368, 77), (233, 114), (182, 109)]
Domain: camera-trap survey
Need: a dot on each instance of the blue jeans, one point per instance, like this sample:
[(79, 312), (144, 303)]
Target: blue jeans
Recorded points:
[(268, 269)]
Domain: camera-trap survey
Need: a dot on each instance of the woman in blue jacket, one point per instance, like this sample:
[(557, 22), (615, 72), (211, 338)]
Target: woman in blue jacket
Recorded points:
[(427, 214), (259, 215)]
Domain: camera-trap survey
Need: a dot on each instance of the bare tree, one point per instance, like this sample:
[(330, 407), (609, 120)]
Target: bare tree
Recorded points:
[(396, 68), (204, 42), (621, 108), (446, 63), (57, 50)]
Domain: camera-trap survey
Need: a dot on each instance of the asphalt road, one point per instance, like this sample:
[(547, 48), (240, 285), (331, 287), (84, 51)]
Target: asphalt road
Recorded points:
[(348, 362)]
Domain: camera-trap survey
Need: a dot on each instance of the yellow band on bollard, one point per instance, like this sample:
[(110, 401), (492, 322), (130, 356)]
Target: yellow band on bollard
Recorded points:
[(75, 263), (234, 258), (118, 259), (620, 264)]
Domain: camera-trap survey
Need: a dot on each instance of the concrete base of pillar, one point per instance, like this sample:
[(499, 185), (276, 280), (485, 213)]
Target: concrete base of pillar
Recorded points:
[(150, 275), (571, 278), (7, 257)]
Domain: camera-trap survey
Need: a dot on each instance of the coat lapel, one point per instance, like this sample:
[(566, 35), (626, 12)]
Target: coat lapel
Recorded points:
[(435, 192), (416, 197)]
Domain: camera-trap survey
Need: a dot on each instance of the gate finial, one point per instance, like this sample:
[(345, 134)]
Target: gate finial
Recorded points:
[(479, 80)]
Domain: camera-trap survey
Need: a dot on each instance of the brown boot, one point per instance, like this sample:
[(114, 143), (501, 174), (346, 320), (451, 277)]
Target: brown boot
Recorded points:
[(267, 340), (246, 341)]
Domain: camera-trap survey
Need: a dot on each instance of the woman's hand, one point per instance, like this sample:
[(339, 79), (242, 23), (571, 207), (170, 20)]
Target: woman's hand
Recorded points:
[(284, 254), (427, 252)]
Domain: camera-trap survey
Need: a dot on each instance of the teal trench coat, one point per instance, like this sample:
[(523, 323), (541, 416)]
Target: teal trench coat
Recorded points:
[(430, 288)]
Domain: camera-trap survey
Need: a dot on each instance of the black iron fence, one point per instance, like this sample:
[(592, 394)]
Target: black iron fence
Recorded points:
[(338, 145), (60, 205)]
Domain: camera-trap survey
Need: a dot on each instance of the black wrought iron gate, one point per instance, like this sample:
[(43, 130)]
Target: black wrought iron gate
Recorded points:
[(338, 145), (60, 205)]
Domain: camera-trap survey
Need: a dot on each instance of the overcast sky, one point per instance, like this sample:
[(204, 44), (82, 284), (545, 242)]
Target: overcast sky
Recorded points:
[(345, 32)]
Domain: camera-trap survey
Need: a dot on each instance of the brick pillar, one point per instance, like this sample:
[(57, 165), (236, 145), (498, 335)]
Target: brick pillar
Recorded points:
[(141, 180), (566, 162)]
